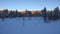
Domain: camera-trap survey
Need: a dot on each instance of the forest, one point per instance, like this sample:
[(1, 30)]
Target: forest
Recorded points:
[(50, 14)]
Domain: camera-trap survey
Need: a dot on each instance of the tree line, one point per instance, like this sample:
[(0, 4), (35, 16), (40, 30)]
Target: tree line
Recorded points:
[(50, 14)]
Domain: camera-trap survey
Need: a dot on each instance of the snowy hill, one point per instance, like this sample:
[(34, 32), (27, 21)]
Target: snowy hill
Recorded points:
[(29, 25)]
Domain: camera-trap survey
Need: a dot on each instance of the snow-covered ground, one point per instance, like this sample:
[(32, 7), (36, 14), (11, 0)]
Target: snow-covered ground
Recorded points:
[(29, 25)]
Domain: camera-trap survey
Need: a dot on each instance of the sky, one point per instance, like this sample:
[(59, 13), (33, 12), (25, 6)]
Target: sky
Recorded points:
[(29, 4)]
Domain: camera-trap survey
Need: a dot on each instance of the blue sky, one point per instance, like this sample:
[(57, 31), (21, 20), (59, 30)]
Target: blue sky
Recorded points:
[(29, 4)]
